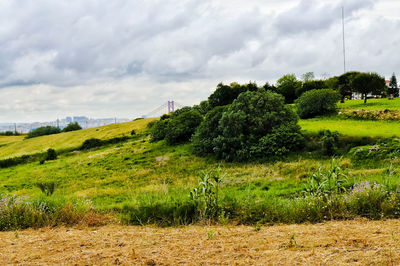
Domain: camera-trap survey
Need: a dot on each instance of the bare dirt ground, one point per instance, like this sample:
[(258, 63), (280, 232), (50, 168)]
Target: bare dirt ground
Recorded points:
[(360, 242)]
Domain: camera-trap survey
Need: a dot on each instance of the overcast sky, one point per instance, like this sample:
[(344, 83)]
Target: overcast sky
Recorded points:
[(103, 58)]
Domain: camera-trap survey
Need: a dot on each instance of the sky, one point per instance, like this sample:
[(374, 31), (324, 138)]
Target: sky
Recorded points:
[(102, 58)]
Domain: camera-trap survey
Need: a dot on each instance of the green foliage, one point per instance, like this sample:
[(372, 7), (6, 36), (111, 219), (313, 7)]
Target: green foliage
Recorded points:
[(10, 133), (51, 155), (72, 127), (393, 87), (223, 95), (317, 102), (91, 143), (251, 117), (47, 187), (42, 131), (159, 130), (365, 83), (207, 131), (181, 127), (310, 85), (4, 163), (330, 142), (344, 84), (208, 192), (287, 86), (388, 148), (327, 182), (133, 132), (21, 213)]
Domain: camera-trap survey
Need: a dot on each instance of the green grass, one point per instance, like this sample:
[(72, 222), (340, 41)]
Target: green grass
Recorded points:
[(372, 104), (16, 145), (362, 128), (10, 139), (143, 180)]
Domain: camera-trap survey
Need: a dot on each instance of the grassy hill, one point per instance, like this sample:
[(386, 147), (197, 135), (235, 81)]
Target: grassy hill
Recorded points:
[(16, 145), (150, 182)]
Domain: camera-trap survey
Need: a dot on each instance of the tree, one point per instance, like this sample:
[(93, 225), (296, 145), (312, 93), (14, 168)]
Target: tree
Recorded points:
[(223, 95), (365, 83), (72, 127), (310, 85), (181, 128), (344, 84), (256, 124), (317, 102), (393, 87), (308, 76), (287, 86)]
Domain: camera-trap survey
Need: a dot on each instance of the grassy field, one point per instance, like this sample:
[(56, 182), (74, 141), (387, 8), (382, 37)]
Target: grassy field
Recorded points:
[(353, 127), (16, 145), (372, 104), (140, 180)]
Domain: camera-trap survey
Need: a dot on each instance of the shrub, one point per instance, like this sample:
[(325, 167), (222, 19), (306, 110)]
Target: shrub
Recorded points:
[(46, 187), (72, 127), (182, 127), (42, 131), (207, 131), (253, 122), (133, 132), (159, 130), (91, 143), (317, 102), (330, 141), (51, 155)]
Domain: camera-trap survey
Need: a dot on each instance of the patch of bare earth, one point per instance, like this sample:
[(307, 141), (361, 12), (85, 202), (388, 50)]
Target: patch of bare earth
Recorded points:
[(332, 243)]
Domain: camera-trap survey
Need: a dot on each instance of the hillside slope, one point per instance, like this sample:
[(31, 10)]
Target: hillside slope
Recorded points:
[(17, 146)]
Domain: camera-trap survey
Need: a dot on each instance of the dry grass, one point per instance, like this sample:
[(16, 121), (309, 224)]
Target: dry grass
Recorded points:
[(333, 243)]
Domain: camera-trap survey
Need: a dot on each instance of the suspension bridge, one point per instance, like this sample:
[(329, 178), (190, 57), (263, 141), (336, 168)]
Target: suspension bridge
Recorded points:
[(165, 108)]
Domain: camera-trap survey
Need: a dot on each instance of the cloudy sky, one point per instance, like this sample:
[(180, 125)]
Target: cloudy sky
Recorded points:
[(103, 58)]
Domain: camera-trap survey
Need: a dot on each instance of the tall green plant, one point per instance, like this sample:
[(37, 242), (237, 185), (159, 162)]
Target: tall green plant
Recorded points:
[(208, 192)]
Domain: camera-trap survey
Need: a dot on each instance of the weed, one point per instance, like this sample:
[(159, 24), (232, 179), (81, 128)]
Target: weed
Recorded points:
[(47, 187), (210, 234)]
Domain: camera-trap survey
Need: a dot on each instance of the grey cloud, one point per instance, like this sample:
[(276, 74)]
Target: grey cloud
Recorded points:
[(313, 15)]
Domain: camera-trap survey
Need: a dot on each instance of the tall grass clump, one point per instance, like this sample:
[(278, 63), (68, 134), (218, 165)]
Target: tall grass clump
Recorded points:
[(21, 212)]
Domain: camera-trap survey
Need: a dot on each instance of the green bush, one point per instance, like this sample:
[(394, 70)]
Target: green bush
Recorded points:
[(317, 102), (73, 126), (182, 127), (207, 131), (158, 130), (330, 142), (91, 143), (42, 131), (249, 127), (51, 155)]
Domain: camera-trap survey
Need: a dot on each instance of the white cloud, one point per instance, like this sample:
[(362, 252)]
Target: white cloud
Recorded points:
[(124, 58)]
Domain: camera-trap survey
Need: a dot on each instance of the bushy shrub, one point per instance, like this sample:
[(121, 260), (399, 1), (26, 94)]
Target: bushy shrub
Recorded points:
[(181, 127), (91, 143), (133, 132), (317, 102), (330, 141), (51, 155), (42, 131), (159, 130), (72, 127), (207, 131), (252, 123)]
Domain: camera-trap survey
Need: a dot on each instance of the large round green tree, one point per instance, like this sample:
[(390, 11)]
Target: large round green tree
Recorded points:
[(256, 124)]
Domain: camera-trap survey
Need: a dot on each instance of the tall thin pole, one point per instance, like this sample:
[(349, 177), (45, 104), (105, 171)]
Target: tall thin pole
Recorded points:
[(344, 47)]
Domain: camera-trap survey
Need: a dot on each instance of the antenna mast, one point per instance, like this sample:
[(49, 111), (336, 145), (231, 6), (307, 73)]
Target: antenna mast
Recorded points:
[(344, 47)]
